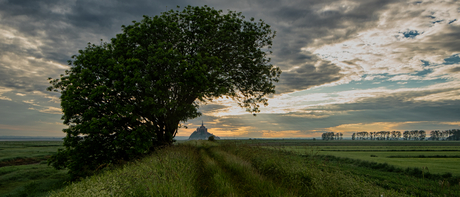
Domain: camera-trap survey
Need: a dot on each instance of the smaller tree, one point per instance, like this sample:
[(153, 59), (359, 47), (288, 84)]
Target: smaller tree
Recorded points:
[(422, 134), (406, 135), (212, 138)]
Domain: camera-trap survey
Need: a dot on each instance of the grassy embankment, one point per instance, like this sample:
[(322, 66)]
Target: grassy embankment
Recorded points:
[(24, 170), (202, 168)]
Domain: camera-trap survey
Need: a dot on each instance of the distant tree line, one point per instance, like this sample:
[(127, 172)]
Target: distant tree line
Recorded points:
[(453, 134), (332, 136)]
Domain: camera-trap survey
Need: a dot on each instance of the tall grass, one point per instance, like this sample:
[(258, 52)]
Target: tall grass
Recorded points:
[(249, 181), (213, 181), (306, 177), (168, 172)]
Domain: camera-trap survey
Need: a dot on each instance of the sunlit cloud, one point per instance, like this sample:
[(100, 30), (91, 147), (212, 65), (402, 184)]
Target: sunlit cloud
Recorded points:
[(31, 102), (4, 90), (457, 124), (357, 127), (51, 110), (282, 134)]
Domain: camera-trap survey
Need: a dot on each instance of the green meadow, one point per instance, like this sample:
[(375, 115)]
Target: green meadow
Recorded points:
[(432, 156), (249, 168), (24, 170), (27, 150)]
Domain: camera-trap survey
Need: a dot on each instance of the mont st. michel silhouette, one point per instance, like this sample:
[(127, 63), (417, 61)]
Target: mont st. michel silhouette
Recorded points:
[(201, 133)]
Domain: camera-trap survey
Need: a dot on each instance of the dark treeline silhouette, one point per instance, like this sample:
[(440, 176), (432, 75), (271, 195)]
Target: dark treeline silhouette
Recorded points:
[(332, 136), (453, 134)]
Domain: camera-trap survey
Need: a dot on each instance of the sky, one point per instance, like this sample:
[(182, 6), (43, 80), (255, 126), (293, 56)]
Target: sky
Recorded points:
[(348, 66)]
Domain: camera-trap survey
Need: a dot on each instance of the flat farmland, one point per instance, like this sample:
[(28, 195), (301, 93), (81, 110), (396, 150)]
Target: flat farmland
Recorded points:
[(24, 170), (432, 156), (27, 149)]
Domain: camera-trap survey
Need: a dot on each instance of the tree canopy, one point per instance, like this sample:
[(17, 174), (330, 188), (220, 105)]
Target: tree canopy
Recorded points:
[(124, 98)]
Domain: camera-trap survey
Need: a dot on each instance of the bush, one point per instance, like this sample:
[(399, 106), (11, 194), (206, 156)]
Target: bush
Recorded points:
[(212, 138)]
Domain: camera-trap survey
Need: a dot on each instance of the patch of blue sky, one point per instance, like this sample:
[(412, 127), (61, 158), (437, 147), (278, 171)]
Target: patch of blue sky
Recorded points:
[(437, 21), (423, 72), (411, 33), (419, 83), (453, 59), (425, 63)]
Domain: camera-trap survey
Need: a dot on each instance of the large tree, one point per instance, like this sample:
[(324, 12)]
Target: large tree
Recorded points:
[(124, 98)]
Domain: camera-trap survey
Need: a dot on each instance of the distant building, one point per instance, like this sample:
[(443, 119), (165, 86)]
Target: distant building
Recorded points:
[(201, 133)]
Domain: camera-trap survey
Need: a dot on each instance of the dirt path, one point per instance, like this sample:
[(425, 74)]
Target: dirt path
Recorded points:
[(224, 174)]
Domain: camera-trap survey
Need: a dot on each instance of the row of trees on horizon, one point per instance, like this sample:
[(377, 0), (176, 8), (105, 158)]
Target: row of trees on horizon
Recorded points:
[(332, 136), (453, 134)]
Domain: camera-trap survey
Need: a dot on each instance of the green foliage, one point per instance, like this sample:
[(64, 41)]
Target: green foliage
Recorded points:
[(124, 98), (212, 138)]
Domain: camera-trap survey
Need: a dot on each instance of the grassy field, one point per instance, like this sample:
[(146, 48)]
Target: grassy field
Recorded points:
[(23, 150), (247, 168), (434, 157), (24, 170), (232, 168)]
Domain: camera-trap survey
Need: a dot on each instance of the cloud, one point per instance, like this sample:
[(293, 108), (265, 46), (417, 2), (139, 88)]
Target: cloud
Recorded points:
[(310, 74), (450, 71), (51, 110), (404, 78), (386, 47), (2, 91)]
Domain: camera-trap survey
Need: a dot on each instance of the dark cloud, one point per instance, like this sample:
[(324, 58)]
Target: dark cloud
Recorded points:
[(455, 69), (444, 43), (210, 108), (309, 75)]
